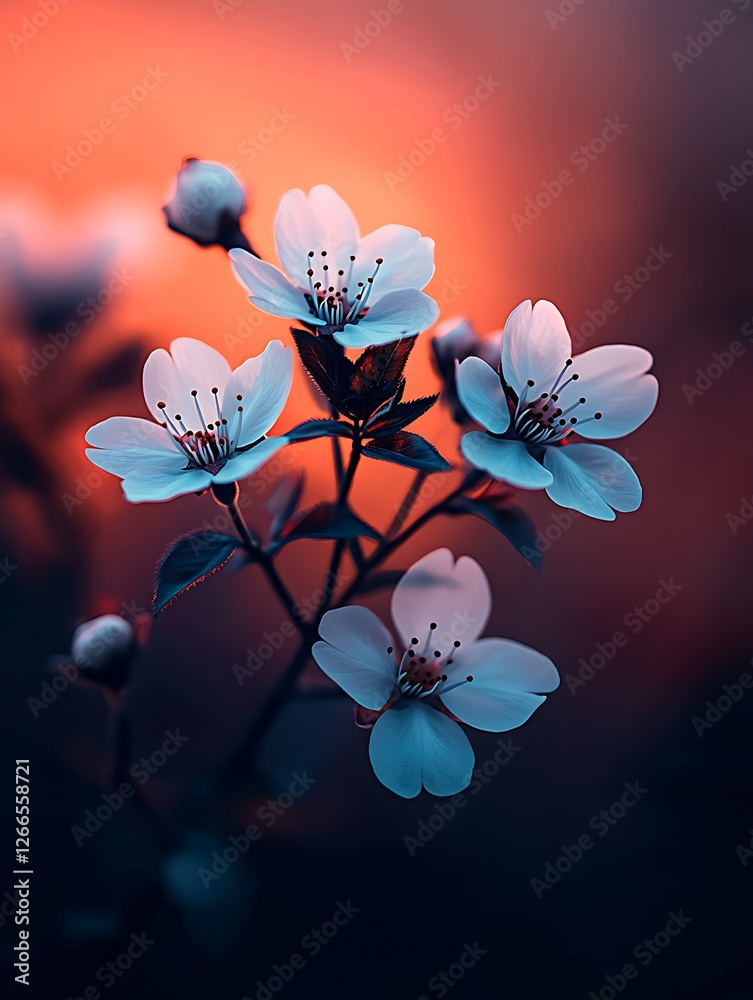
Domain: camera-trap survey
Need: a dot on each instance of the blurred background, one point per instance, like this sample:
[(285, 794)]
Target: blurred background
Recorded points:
[(357, 95)]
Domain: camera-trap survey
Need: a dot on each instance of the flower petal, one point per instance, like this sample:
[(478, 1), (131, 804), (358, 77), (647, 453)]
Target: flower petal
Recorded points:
[(504, 675), (129, 433), (354, 655), (453, 595), (613, 381), (408, 259), (506, 460), (413, 745), (269, 289), (592, 479), (481, 393), (321, 221), (144, 485), (243, 463), (199, 365), (264, 383), (397, 314), (535, 345)]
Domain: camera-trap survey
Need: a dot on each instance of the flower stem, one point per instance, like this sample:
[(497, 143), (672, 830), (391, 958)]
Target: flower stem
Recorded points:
[(264, 560), (406, 506)]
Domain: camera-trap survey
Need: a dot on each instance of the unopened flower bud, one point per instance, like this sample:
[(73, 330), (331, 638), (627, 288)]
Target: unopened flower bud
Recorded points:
[(207, 205), (102, 648)]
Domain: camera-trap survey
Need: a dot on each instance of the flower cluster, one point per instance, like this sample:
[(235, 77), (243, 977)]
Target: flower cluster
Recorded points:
[(530, 399)]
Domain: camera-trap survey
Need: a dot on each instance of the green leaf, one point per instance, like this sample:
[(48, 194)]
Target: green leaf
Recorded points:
[(187, 562), (509, 520), (408, 449), (327, 520), (318, 428)]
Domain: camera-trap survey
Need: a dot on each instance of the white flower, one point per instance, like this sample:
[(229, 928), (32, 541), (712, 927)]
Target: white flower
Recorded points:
[(99, 643), (211, 422), (455, 340), (440, 608), (365, 292), (541, 397), (208, 200)]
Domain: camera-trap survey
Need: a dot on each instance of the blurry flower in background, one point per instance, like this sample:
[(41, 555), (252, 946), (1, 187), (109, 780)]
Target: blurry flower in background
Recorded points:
[(440, 608), (194, 387), (542, 397), (103, 648), (207, 205), (363, 291), (455, 340)]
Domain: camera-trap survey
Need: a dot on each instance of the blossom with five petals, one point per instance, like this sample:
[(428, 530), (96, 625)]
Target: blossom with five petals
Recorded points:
[(440, 608), (212, 423), (541, 397), (363, 291)]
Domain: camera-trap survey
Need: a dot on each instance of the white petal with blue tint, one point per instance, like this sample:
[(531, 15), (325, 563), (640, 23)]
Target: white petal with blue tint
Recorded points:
[(454, 596), (535, 345), (264, 384), (354, 655), (413, 745), (408, 259), (481, 393), (396, 314), (269, 289), (506, 460), (321, 220), (614, 383), (155, 484), (592, 479), (243, 463), (505, 676)]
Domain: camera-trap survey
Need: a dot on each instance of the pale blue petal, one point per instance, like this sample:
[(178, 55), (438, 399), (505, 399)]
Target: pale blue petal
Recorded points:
[(269, 289), (505, 460), (592, 479), (243, 463), (505, 675), (354, 655), (413, 745), (395, 315), (147, 485), (481, 393)]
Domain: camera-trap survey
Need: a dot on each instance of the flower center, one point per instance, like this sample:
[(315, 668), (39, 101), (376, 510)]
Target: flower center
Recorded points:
[(209, 448), (330, 295), (546, 418), (421, 673)]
